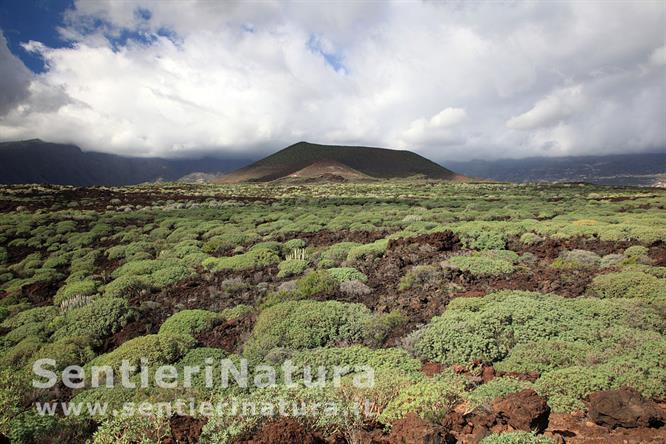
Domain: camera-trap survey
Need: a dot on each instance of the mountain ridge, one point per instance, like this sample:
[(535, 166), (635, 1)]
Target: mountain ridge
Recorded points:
[(377, 163), (36, 161), (642, 169)]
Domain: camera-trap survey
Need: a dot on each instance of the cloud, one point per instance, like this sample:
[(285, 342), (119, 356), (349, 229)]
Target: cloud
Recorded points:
[(436, 129), (550, 110), (448, 80), (658, 56), (14, 78)]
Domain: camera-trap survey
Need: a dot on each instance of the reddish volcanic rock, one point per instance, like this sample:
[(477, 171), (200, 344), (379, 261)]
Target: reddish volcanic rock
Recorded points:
[(524, 410), (624, 408)]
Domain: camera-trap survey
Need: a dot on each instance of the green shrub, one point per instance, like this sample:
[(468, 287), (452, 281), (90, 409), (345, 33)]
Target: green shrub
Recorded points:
[(137, 268), (100, 318), (84, 264), (378, 327), (21, 354), (277, 297), (545, 355), (431, 398), (566, 388), (126, 286), (236, 312), (576, 259), (86, 287), (274, 246), (344, 274), (74, 350), (516, 438), (530, 239), (291, 267), (628, 284), (481, 236), (337, 253), (115, 252), (198, 356), (316, 282), (124, 429), (190, 322), (29, 427), (611, 260), (490, 327), (481, 265), (504, 255), (293, 244), (356, 356), (306, 324), (636, 251), (377, 248), (56, 261), (168, 276), (157, 349), (226, 241), (640, 367), (484, 394), (30, 316), (255, 259)]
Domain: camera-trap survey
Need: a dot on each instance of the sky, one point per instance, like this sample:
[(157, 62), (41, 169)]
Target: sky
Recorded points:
[(450, 80)]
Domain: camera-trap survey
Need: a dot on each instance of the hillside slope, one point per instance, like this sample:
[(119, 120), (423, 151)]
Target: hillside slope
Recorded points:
[(379, 163), (643, 169), (36, 161)]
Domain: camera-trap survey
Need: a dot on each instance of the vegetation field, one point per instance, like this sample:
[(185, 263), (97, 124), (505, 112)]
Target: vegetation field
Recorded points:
[(490, 313)]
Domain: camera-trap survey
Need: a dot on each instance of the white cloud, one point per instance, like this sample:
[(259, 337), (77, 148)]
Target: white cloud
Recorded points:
[(550, 110), (658, 56), (448, 80), (437, 129)]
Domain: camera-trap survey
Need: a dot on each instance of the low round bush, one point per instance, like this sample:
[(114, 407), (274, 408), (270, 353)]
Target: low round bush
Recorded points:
[(306, 324), (431, 398), (566, 388), (377, 248), (293, 244), (481, 265), (156, 349), (611, 260), (628, 284), (636, 251), (170, 275), (316, 282), (545, 355), (344, 274), (355, 356), (489, 328), (74, 350), (291, 267), (125, 286), (100, 318), (190, 322), (530, 238), (577, 259), (337, 253), (254, 259), (86, 287)]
